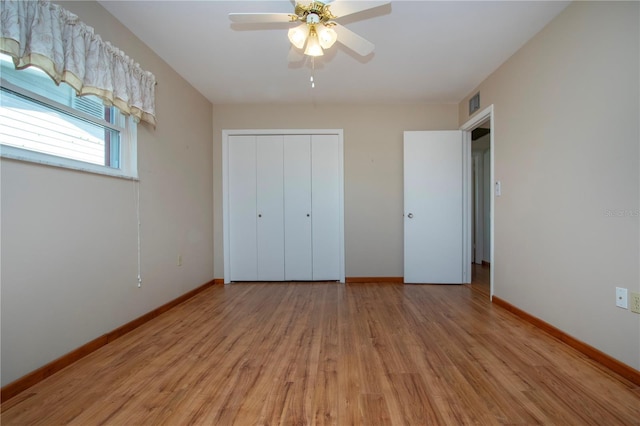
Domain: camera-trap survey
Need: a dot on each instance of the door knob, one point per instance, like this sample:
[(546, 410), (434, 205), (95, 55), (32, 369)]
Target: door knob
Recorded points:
[(308, 215), (410, 215), (259, 215)]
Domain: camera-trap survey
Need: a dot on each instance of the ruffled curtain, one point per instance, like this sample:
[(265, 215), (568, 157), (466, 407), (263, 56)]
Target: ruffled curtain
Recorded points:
[(53, 39)]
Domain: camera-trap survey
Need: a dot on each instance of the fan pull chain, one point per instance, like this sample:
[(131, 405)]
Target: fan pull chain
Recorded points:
[(313, 68)]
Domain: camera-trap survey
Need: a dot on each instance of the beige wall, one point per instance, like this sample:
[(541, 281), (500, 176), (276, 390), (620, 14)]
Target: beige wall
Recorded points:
[(69, 244), (567, 152), (372, 170)]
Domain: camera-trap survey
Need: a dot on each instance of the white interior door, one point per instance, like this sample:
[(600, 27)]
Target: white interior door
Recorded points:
[(326, 206), (297, 208), (433, 207), (242, 208), (270, 208)]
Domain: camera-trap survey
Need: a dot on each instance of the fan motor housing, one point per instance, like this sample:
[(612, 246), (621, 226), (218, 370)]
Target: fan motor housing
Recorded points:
[(316, 8)]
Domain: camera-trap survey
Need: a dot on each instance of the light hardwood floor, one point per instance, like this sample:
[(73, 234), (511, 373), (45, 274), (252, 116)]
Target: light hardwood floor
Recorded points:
[(325, 353)]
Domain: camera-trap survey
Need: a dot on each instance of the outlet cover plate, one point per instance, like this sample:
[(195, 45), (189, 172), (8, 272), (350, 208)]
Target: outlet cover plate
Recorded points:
[(621, 298)]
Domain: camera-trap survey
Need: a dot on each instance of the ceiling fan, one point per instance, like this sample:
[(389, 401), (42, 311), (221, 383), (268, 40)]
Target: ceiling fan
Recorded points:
[(318, 29)]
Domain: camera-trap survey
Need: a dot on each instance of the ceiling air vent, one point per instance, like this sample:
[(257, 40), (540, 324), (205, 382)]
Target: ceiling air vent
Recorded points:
[(474, 103)]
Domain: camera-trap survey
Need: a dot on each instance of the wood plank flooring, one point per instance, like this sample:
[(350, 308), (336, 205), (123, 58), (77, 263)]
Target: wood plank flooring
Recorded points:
[(331, 354)]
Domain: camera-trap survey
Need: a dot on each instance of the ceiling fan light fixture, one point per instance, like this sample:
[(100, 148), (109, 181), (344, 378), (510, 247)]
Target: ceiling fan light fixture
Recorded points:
[(298, 35), (313, 44), (316, 16), (327, 37)]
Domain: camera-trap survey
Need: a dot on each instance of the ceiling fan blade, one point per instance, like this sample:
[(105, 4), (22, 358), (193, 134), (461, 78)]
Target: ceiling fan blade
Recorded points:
[(349, 7), (353, 41), (257, 18)]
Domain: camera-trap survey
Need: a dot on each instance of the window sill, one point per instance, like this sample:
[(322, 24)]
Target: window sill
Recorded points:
[(18, 154)]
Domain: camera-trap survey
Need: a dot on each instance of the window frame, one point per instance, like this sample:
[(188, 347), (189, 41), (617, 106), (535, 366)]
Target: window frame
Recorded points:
[(128, 140)]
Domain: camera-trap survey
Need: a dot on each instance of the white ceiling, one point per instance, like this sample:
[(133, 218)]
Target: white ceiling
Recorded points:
[(426, 51)]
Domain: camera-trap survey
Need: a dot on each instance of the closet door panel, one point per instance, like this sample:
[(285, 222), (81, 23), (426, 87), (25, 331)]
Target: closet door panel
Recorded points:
[(242, 208), (297, 207), (325, 203), (270, 208)]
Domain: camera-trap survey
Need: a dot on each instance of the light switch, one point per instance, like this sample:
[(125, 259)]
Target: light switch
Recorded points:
[(498, 188)]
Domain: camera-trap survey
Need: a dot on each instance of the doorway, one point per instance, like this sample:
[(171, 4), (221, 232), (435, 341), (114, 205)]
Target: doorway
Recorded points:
[(481, 191), (481, 227)]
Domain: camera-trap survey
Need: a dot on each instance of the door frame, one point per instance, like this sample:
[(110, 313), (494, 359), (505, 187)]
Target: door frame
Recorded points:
[(225, 185), (473, 122)]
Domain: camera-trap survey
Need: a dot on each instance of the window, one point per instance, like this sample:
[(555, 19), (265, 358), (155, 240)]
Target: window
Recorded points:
[(47, 123)]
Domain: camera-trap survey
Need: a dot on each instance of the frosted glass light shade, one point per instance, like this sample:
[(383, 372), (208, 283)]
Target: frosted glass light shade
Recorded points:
[(327, 36), (313, 44), (298, 35)]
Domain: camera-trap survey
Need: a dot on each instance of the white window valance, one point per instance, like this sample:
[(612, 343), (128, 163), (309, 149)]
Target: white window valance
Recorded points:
[(47, 36)]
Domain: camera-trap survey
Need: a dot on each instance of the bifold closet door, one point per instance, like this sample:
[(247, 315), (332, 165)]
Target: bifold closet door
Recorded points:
[(284, 207), (256, 211), (243, 254), (325, 207), (297, 208), (270, 207)]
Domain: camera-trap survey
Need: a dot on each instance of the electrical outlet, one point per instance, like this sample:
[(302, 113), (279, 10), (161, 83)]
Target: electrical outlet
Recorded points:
[(635, 302), (621, 298)]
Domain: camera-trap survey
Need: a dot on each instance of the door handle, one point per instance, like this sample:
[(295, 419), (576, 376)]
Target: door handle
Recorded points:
[(410, 215)]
